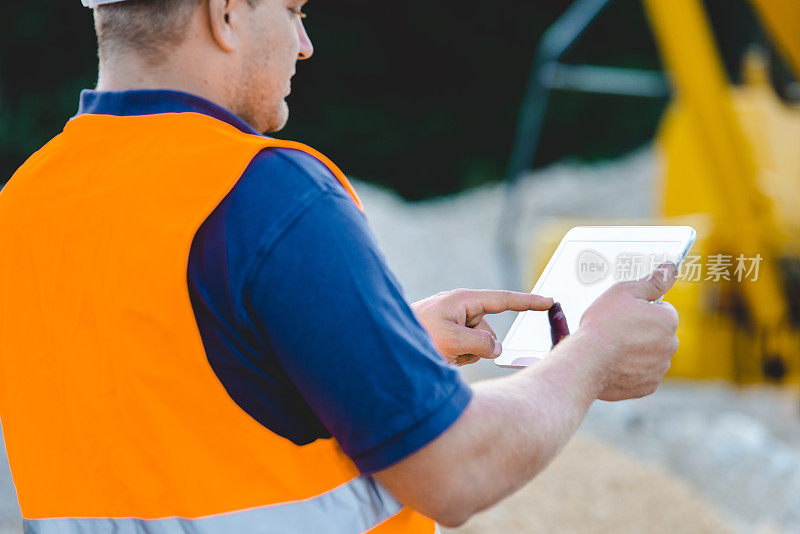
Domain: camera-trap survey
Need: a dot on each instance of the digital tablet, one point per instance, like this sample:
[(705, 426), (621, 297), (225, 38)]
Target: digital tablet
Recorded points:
[(589, 260)]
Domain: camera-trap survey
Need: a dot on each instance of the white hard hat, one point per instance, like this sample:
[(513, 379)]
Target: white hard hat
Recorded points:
[(95, 3)]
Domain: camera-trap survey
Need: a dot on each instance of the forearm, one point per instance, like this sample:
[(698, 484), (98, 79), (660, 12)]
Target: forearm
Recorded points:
[(511, 430), (517, 425)]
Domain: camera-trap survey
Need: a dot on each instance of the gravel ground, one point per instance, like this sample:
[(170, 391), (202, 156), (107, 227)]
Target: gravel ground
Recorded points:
[(691, 458), (593, 488), (739, 448)]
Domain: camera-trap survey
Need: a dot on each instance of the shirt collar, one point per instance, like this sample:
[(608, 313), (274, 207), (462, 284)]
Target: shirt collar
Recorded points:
[(153, 101)]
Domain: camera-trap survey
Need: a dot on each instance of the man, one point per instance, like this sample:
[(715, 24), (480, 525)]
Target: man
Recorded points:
[(199, 333)]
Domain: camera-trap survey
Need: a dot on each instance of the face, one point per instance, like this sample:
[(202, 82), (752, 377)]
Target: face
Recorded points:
[(273, 38)]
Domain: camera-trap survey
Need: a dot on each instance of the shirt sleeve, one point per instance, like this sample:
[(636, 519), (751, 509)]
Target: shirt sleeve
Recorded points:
[(327, 306)]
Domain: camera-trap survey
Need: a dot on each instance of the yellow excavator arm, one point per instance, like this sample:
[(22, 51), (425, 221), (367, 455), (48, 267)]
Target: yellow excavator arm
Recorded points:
[(733, 153)]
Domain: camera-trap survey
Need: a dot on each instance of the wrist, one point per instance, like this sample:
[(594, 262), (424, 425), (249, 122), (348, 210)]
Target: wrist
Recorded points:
[(584, 353)]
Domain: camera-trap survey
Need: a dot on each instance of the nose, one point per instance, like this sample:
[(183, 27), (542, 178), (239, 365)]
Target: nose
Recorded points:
[(306, 49)]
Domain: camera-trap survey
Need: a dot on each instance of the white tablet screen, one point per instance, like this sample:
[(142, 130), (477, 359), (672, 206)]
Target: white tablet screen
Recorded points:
[(582, 271)]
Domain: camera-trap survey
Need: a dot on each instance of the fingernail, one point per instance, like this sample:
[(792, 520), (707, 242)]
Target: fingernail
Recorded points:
[(498, 348)]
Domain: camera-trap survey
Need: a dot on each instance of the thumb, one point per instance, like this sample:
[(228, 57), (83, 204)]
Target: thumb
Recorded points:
[(656, 284), (465, 340)]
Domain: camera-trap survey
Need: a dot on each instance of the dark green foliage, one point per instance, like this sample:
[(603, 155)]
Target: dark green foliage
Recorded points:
[(46, 56), (419, 95), (423, 96)]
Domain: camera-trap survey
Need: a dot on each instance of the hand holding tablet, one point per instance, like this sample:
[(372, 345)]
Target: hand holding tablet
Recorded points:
[(587, 262)]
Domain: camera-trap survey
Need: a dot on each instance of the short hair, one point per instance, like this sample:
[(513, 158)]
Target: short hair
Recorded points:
[(147, 27)]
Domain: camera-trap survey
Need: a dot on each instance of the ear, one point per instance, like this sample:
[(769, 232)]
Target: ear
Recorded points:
[(222, 21)]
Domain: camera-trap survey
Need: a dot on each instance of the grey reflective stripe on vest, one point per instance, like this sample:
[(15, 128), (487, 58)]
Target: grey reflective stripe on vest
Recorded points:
[(352, 508)]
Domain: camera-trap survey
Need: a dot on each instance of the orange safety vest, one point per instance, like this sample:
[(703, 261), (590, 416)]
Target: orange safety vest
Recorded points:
[(113, 419)]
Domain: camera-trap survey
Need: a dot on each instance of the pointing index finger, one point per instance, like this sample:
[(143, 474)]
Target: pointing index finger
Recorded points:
[(499, 301)]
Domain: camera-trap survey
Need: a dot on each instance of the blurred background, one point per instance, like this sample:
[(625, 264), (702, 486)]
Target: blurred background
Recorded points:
[(477, 133)]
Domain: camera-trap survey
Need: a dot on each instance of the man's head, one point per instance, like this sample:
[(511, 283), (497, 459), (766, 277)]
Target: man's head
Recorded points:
[(238, 53)]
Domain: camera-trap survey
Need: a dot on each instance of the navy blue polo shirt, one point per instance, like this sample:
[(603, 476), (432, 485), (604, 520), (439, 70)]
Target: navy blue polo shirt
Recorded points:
[(302, 321)]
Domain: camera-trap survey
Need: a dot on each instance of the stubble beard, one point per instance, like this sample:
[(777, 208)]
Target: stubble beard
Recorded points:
[(279, 119), (265, 116), (257, 94)]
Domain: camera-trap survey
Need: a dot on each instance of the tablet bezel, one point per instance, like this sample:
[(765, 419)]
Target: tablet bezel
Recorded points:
[(516, 359)]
